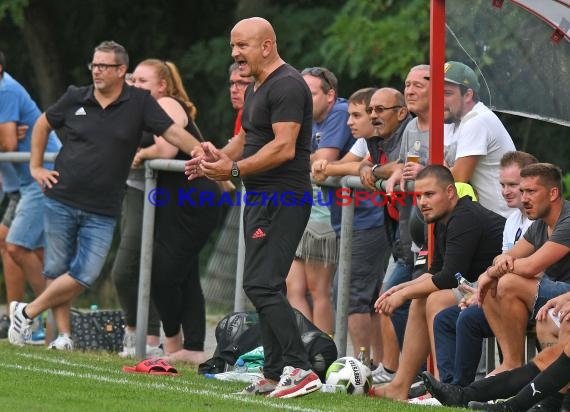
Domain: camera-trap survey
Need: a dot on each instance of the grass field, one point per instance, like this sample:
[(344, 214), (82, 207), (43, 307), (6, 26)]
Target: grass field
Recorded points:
[(35, 379)]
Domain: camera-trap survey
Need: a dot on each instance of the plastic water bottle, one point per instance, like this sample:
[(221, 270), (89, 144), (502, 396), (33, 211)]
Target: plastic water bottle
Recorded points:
[(240, 366), (362, 356), (330, 388), (461, 281)]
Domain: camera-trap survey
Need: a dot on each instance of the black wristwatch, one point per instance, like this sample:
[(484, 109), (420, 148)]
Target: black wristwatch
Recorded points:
[(376, 166), (235, 170)]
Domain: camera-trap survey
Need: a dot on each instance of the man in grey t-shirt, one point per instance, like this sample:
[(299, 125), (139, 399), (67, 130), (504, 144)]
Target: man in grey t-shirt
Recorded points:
[(535, 270)]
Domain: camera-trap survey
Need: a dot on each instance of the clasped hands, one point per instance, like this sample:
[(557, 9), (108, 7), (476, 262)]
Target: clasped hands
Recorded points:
[(390, 300), (208, 161), (489, 279)]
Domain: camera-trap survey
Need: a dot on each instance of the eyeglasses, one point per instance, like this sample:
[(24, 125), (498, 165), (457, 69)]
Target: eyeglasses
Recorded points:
[(323, 74), (380, 109), (240, 84), (101, 66)]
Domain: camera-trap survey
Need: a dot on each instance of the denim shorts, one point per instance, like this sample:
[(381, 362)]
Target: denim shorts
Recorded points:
[(27, 228), (548, 289), (77, 242)]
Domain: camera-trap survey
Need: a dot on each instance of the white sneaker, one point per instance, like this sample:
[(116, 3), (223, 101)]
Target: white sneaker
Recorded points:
[(381, 375), (129, 347), (423, 400), (129, 343), (20, 329), (154, 351), (63, 342)]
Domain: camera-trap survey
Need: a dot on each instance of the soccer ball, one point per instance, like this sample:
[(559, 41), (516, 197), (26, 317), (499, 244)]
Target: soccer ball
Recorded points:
[(350, 373)]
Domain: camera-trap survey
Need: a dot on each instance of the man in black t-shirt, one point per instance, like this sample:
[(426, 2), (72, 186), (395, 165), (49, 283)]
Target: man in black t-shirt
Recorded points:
[(467, 238), (271, 154), (103, 125)]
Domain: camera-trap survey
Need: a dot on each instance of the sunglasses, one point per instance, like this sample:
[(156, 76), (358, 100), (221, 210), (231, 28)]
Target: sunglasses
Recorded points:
[(380, 109), (323, 74)]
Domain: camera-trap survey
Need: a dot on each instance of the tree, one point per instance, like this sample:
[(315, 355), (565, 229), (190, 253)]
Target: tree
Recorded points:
[(378, 38)]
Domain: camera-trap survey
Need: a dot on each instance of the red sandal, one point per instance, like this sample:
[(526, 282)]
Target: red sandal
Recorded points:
[(152, 367)]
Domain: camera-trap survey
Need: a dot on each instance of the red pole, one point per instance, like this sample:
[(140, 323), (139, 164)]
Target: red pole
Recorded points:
[(437, 60)]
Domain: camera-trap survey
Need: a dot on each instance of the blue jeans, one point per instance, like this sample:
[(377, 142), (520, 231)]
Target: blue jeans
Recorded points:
[(458, 338), (401, 273), (77, 242), (548, 289), (27, 229)]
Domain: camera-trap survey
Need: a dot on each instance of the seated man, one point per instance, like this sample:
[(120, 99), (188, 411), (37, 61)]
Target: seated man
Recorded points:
[(535, 270), (547, 373), (459, 332), (467, 236)]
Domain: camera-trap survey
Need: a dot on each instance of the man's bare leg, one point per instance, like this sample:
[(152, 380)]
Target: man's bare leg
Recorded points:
[(508, 314), (60, 292), (359, 330), (13, 275), (31, 265), (414, 354), (390, 345)]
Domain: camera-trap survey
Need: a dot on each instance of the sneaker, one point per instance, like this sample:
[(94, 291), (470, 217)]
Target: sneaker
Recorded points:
[(381, 375), (425, 400), (500, 406), (550, 403), (565, 403), (63, 342), (296, 382), (447, 394), (129, 343), (20, 329), (261, 387), (154, 351), (417, 389), (38, 338)]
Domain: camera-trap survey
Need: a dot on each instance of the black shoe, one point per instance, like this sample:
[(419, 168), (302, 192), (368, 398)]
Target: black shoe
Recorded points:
[(565, 403), (417, 389), (484, 406), (4, 326), (447, 394), (549, 404)]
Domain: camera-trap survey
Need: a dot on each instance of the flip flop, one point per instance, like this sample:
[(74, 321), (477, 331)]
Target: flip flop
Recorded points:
[(152, 367)]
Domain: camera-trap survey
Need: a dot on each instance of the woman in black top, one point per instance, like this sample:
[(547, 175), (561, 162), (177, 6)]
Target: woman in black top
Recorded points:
[(183, 225)]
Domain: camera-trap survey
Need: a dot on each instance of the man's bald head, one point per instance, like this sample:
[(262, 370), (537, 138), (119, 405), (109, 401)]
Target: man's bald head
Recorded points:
[(391, 94), (254, 48), (256, 27)]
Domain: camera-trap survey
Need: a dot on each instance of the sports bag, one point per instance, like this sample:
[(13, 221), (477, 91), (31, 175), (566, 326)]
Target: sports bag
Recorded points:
[(239, 332), (98, 330)]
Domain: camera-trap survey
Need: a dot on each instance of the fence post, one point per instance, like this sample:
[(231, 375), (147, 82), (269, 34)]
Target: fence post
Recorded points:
[(239, 294), (147, 242)]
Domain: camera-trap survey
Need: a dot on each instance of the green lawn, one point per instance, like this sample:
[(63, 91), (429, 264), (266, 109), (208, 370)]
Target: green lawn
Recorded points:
[(35, 379)]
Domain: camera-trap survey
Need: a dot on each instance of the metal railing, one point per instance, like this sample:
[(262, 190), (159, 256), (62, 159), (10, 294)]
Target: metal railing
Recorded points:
[(151, 168)]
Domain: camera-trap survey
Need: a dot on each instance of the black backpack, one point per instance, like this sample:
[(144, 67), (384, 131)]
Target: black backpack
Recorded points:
[(238, 333)]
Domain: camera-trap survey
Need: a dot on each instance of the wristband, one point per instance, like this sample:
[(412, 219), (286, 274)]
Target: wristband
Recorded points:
[(376, 166)]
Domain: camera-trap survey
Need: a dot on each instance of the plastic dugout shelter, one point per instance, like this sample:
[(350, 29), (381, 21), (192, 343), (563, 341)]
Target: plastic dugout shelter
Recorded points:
[(520, 49)]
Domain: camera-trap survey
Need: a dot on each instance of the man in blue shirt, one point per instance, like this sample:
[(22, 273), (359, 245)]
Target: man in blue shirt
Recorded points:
[(26, 235)]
